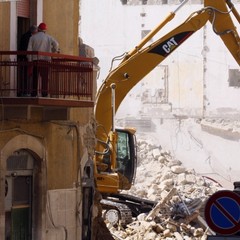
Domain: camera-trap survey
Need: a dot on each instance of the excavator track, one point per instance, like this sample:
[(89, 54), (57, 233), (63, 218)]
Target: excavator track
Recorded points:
[(122, 207), (116, 213)]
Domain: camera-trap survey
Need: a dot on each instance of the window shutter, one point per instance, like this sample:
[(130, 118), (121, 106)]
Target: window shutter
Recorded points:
[(23, 8)]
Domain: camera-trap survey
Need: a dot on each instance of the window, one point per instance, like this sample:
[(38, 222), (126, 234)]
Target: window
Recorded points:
[(124, 2), (234, 78)]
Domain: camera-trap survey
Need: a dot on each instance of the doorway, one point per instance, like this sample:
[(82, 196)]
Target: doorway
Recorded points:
[(22, 27), (18, 196)]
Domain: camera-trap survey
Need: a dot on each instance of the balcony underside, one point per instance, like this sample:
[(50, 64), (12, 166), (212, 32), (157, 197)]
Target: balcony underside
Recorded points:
[(42, 101)]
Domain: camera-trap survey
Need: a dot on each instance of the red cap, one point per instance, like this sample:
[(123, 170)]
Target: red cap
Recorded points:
[(42, 26)]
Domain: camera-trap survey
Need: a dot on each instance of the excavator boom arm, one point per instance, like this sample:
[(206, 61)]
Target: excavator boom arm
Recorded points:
[(135, 67), (223, 25), (133, 70)]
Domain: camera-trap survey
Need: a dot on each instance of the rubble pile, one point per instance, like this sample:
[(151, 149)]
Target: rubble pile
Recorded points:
[(227, 125), (180, 194)]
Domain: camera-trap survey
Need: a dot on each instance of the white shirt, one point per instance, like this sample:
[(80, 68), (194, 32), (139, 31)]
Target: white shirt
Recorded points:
[(42, 42)]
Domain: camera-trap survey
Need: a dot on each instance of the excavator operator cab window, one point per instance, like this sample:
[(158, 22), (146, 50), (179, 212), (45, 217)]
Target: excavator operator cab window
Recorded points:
[(126, 156)]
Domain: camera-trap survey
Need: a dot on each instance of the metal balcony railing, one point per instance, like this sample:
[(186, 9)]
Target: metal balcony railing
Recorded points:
[(49, 75)]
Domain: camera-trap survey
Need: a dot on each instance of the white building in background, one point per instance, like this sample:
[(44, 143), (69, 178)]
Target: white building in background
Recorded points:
[(196, 79)]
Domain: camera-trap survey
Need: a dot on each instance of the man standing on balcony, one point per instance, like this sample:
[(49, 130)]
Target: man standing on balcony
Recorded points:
[(23, 83), (41, 42)]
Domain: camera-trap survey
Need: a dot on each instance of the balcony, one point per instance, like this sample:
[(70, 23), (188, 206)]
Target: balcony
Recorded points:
[(64, 81)]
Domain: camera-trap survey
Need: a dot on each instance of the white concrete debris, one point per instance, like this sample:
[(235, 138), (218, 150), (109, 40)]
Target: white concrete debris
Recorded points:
[(180, 194)]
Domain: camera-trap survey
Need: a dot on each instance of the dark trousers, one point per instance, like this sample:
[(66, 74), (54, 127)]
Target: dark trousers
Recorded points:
[(40, 68), (22, 79)]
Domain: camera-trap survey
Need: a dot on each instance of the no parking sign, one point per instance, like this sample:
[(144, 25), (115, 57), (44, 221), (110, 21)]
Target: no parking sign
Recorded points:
[(222, 212)]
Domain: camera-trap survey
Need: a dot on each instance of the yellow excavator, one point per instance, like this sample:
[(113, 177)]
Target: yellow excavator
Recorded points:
[(116, 156)]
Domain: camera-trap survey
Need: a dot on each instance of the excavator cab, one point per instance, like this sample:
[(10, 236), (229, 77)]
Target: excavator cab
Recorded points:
[(126, 156), (118, 172)]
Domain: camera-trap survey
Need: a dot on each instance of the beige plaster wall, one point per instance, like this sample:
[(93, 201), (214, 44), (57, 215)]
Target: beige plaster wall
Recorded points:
[(59, 147), (62, 18), (62, 207), (64, 143), (4, 26)]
